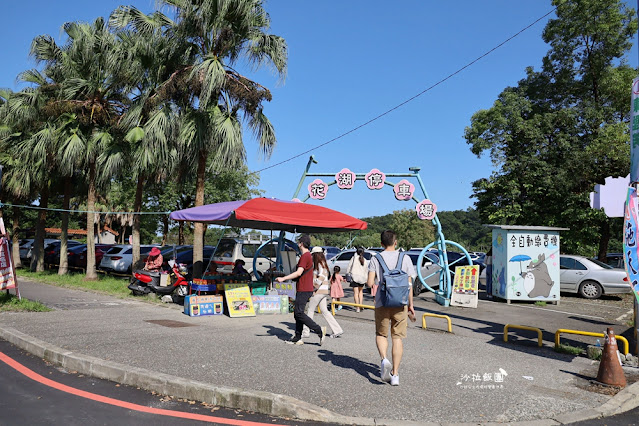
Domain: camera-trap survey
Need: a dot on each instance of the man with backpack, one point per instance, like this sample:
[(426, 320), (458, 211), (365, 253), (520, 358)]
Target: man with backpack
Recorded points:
[(393, 302)]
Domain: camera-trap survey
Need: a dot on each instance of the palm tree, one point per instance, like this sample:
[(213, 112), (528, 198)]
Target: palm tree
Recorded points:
[(93, 94), (213, 98)]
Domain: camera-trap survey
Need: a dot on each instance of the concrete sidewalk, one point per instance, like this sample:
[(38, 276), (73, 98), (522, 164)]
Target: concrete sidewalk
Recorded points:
[(468, 376)]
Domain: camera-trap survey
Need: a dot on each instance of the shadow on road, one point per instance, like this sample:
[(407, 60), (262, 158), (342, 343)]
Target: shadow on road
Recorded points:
[(365, 369)]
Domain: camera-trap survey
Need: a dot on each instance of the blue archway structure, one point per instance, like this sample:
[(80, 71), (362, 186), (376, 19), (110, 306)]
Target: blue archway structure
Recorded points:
[(443, 293)]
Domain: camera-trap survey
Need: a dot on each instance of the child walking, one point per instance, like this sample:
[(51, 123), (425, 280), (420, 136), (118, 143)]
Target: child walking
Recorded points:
[(337, 291)]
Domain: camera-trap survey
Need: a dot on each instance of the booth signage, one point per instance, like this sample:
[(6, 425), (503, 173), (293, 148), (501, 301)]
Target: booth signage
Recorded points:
[(287, 288), (7, 277), (630, 255), (465, 287), (270, 304), (238, 300)]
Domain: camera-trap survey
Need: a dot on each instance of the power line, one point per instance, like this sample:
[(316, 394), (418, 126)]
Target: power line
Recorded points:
[(74, 211), (411, 98)]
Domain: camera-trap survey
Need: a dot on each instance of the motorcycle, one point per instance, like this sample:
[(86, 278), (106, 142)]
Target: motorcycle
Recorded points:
[(145, 282)]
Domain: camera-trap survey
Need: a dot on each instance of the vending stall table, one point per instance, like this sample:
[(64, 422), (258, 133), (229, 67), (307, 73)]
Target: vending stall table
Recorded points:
[(264, 214)]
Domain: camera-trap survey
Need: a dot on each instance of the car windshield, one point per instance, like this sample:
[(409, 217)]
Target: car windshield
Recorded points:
[(225, 248), (603, 265)]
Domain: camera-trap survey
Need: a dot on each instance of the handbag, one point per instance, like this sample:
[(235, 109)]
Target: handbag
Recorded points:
[(348, 277)]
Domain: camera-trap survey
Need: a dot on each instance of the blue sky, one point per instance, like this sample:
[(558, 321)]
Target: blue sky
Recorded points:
[(350, 61)]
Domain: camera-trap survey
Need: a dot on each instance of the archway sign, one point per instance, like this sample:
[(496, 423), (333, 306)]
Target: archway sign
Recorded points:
[(404, 191)]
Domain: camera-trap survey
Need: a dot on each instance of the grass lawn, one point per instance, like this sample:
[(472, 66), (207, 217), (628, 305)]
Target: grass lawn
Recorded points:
[(105, 284), (11, 303)]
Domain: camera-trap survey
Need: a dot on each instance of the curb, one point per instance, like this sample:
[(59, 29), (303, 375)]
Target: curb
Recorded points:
[(265, 402)]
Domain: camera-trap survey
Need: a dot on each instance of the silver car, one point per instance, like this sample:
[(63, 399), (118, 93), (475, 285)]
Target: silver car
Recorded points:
[(119, 258), (343, 258), (429, 269), (591, 278)]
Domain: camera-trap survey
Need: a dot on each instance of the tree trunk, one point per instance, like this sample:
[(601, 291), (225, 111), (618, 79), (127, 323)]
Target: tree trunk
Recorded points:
[(604, 240), (181, 233), (64, 253), (15, 247), (165, 229), (91, 274), (37, 255), (137, 208), (198, 232)]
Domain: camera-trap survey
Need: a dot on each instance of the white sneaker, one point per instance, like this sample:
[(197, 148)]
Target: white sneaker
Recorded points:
[(394, 380), (322, 336), (385, 370)]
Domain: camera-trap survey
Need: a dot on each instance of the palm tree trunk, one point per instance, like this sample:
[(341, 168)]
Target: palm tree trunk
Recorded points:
[(64, 254), (198, 232), (165, 229), (15, 226), (137, 208), (37, 256), (91, 272)]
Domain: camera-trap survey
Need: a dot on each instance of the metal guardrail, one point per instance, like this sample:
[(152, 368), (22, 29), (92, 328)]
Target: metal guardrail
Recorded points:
[(523, 327), (357, 305), (588, 333), (446, 317)]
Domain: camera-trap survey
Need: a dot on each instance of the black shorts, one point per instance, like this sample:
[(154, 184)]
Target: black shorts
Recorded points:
[(354, 284)]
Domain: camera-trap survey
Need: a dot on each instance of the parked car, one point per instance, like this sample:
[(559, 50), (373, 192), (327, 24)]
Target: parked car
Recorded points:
[(119, 258), (231, 249), (344, 257), (615, 260), (429, 269), (26, 248), (330, 251), (185, 256), (591, 278), (52, 251), (78, 255)]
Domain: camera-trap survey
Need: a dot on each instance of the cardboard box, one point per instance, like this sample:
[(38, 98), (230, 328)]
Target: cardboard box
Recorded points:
[(196, 306), (164, 280)]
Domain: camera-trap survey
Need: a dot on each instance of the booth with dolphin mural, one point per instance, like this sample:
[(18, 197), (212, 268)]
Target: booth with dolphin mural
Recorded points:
[(525, 263)]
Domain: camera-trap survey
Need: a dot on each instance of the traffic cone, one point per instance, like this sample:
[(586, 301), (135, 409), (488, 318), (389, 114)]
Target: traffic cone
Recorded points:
[(610, 371)]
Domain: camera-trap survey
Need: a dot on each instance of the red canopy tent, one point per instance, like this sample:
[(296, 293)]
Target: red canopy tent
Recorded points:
[(273, 214)]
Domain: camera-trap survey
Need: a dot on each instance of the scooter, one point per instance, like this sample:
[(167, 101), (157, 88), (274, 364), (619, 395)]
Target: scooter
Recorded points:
[(145, 282)]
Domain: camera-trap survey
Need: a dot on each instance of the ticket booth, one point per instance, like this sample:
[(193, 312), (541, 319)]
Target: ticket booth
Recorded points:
[(525, 263)]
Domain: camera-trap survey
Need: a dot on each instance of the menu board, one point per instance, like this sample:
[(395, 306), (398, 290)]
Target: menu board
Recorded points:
[(238, 300)]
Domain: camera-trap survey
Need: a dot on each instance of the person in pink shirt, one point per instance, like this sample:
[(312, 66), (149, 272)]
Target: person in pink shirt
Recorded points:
[(154, 261)]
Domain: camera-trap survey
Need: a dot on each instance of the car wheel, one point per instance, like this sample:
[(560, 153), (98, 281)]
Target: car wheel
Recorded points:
[(417, 286), (590, 290)]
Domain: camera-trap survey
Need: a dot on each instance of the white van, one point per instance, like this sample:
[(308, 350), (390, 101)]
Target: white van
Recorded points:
[(230, 249)]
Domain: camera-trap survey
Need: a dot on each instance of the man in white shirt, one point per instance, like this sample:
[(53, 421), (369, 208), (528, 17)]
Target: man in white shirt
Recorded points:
[(396, 318)]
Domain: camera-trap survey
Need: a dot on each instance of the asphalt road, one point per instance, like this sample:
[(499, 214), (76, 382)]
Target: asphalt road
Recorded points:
[(29, 401)]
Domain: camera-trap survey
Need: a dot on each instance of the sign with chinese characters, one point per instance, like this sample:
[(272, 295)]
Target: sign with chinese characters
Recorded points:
[(286, 288), (375, 179), (465, 287), (345, 179), (318, 189), (238, 300), (630, 256), (426, 210), (404, 190), (634, 132), (526, 263), (7, 277)]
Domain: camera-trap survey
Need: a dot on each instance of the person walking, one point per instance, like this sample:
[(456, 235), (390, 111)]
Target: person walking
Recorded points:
[(322, 286), (337, 291), (385, 317), (304, 291), (358, 269)]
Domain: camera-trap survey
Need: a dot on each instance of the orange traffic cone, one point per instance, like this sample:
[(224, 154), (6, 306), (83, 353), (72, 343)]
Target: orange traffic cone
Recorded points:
[(610, 371)]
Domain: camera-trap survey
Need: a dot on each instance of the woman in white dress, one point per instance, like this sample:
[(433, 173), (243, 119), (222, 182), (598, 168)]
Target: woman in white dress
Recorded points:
[(358, 269)]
